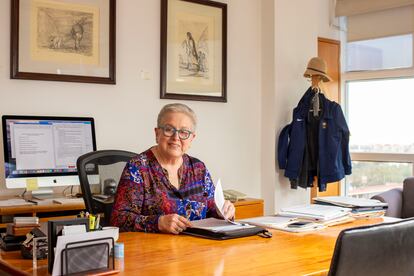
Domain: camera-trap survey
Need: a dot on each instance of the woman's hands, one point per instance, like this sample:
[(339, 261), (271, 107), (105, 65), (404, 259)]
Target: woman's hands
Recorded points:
[(173, 223), (229, 210)]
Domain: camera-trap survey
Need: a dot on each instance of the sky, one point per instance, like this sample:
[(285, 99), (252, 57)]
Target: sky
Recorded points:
[(380, 111)]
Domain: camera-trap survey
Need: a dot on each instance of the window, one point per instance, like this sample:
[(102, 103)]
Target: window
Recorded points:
[(379, 95), (381, 53), (379, 117), (382, 134), (371, 178)]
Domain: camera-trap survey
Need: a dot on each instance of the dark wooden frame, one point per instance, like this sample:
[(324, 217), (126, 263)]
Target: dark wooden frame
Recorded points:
[(164, 94), (14, 52)]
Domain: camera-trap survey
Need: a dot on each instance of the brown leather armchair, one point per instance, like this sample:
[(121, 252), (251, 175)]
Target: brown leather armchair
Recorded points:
[(400, 201)]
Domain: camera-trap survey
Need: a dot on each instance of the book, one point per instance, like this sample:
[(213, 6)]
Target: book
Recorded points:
[(25, 221), (14, 230), (351, 202)]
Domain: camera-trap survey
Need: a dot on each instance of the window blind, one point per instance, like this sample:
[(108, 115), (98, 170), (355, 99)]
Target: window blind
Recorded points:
[(390, 22), (354, 7)]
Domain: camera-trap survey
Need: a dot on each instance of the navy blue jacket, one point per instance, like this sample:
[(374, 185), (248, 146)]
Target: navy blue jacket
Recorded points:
[(334, 158)]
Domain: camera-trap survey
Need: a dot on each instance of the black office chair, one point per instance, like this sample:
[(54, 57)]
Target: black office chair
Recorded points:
[(99, 174), (382, 249)]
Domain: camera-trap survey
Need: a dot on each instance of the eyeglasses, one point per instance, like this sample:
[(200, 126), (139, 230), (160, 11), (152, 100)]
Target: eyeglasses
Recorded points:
[(169, 131)]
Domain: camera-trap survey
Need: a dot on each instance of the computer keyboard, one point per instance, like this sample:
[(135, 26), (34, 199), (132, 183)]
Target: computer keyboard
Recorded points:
[(68, 200)]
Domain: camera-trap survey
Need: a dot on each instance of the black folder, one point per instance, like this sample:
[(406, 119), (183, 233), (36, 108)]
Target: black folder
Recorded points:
[(232, 231)]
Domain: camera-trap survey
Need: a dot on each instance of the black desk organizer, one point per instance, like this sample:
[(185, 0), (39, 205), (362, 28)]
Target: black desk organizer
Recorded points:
[(94, 255), (54, 228)]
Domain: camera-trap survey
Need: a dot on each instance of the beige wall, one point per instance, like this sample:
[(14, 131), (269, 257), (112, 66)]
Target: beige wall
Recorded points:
[(269, 43)]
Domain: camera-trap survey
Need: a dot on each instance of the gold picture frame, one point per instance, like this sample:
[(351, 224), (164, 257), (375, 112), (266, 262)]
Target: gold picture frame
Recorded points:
[(193, 50), (63, 40)]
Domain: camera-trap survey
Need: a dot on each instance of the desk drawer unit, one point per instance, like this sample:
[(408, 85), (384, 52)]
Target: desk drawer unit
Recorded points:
[(249, 207)]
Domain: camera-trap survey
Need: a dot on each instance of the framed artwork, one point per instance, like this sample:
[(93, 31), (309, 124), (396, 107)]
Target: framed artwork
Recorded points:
[(193, 50), (63, 40)]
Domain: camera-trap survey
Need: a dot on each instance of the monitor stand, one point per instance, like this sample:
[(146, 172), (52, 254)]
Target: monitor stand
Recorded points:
[(43, 193)]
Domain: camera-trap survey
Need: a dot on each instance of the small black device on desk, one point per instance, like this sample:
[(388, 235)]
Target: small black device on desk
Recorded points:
[(11, 243), (299, 224), (28, 245)]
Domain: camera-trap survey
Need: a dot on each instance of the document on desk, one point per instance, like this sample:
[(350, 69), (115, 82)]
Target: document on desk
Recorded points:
[(270, 221), (219, 201), (219, 197), (315, 211), (217, 225)]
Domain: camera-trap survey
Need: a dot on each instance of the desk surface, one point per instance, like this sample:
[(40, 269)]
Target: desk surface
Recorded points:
[(164, 254)]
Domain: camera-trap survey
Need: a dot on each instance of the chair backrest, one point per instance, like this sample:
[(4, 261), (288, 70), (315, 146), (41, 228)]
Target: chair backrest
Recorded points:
[(394, 199), (99, 174), (408, 198), (382, 249)]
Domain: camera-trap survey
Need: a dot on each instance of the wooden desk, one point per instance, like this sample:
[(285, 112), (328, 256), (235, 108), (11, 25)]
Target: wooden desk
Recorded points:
[(44, 211), (166, 254)]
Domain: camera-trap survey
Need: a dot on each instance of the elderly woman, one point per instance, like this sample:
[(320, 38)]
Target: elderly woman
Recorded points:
[(163, 189)]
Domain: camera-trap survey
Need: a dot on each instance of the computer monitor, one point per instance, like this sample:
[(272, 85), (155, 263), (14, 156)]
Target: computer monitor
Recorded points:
[(43, 150)]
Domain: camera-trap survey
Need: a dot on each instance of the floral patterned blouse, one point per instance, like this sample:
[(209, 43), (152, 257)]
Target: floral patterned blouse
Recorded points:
[(144, 193)]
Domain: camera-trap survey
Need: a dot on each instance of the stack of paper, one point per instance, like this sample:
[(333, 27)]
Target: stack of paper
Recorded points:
[(315, 212), (350, 202), (275, 222), (361, 207), (283, 223)]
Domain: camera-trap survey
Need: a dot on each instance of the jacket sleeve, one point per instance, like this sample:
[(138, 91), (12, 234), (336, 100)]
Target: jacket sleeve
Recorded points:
[(343, 127), (282, 147), (130, 201)]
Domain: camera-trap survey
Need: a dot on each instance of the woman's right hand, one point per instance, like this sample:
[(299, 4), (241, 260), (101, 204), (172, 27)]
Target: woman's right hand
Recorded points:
[(173, 223)]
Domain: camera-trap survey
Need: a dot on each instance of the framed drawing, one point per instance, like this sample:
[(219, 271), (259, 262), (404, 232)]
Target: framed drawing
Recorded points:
[(193, 50), (63, 40)]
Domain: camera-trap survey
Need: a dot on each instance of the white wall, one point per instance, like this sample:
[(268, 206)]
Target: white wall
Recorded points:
[(297, 25), (269, 44), (228, 138)]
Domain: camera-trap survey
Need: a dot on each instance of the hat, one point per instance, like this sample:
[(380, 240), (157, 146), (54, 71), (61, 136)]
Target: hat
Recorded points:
[(317, 66)]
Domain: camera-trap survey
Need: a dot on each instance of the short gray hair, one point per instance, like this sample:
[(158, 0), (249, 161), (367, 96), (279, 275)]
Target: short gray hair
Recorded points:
[(179, 108)]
